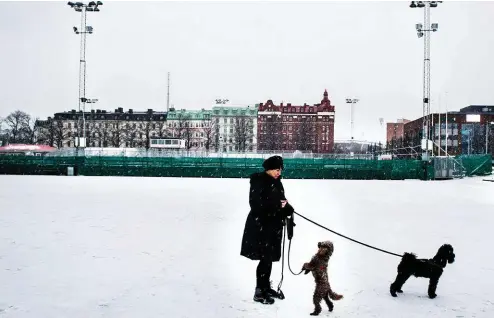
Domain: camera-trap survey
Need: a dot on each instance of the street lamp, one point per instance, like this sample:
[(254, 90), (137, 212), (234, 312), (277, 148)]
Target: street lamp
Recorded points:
[(352, 101), (83, 9), (423, 30)]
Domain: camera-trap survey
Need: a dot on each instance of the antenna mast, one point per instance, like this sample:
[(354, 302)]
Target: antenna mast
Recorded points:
[(168, 94)]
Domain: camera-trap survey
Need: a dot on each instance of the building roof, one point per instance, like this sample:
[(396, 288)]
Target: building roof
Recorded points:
[(233, 111), (477, 109), (118, 114), (189, 114), (324, 106)]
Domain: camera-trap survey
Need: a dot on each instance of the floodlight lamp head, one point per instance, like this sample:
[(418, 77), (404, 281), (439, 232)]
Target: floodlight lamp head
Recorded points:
[(420, 34), (413, 5), (420, 4), (418, 26)]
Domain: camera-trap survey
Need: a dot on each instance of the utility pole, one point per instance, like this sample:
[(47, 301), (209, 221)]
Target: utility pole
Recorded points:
[(352, 101)]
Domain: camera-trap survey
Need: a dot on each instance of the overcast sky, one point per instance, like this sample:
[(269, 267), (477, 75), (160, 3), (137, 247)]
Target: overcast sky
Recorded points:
[(248, 52)]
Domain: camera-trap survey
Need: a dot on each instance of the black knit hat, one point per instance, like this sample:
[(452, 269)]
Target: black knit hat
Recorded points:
[(274, 162)]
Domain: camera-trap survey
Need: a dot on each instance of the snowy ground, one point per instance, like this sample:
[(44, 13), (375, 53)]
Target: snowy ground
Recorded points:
[(162, 247)]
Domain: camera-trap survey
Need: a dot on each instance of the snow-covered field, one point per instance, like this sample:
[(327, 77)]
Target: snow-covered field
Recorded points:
[(162, 247)]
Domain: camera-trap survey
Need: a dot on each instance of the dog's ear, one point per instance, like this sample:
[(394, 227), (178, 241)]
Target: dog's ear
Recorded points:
[(443, 255)]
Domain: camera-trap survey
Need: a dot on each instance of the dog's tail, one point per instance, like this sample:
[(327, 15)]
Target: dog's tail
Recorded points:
[(407, 262), (334, 296), (409, 257)]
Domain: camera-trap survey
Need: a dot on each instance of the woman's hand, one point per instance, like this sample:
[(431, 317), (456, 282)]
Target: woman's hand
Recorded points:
[(283, 203)]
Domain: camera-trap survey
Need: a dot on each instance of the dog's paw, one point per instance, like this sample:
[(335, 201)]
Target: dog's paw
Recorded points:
[(392, 291), (432, 296), (400, 291)]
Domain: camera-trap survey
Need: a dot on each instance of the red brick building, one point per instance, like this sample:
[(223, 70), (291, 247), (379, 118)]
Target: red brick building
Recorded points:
[(290, 127), (395, 131), (469, 131)]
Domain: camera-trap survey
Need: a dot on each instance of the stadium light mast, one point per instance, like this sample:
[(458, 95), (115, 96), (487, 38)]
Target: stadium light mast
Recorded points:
[(83, 8), (423, 30)]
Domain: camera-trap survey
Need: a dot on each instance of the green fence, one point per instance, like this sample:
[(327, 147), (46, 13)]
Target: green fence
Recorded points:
[(206, 167), (476, 165)]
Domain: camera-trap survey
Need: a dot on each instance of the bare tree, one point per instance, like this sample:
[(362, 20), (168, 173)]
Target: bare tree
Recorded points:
[(91, 132), (4, 135), (185, 130), (117, 136), (30, 130), (18, 123), (101, 134), (162, 130), (46, 132), (305, 137), (60, 133), (146, 130), (243, 131), (211, 135), (273, 137)]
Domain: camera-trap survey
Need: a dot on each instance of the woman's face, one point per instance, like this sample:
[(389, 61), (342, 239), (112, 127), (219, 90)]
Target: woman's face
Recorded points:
[(275, 173)]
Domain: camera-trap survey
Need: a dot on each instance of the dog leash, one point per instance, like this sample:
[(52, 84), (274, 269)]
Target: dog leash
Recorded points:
[(348, 238), (292, 224), (287, 224)]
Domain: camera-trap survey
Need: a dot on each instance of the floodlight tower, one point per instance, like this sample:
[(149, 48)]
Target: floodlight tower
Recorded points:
[(83, 9), (352, 101), (423, 30)]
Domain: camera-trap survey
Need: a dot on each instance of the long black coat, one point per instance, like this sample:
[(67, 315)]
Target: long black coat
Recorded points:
[(263, 230)]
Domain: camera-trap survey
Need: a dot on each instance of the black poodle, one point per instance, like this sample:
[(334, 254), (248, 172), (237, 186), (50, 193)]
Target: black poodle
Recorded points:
[(427, 268)]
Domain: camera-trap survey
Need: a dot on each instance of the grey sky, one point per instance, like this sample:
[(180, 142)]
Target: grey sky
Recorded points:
[(247, 52)]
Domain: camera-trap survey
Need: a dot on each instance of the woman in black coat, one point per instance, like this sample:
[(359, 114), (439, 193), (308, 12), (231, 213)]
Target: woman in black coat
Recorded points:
[(263, 231)]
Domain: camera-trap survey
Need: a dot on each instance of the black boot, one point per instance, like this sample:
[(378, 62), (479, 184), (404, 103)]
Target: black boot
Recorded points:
[(261, 296), (273, 293)]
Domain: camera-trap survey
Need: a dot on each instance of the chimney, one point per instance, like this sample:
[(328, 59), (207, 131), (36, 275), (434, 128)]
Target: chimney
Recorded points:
[(150, 110), (131, 111), (92, 111), (98, 111), (120, 109)]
